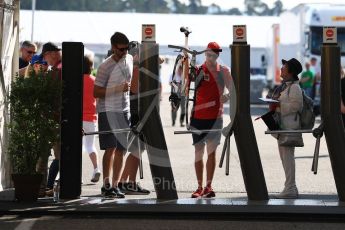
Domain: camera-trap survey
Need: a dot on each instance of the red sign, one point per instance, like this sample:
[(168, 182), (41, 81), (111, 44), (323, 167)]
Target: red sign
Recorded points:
[(148, 31), (239, 32), (329, 33)]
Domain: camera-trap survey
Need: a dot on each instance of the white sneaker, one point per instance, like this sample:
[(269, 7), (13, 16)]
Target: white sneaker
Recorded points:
[(291, 193), (95, 176)]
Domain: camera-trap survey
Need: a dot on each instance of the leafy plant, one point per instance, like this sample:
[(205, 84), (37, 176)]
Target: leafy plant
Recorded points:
[(34, 126)]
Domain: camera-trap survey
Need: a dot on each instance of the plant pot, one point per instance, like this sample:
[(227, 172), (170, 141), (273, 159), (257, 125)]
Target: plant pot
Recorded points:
[(26, 186)]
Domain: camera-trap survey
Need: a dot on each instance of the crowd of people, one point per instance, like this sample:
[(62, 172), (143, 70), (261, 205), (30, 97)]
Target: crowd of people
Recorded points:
[(110, 102), (106, 100), (49, 60)]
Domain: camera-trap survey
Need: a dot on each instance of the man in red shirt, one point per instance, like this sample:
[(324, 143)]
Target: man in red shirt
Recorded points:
[(207, 114), (51, 53)]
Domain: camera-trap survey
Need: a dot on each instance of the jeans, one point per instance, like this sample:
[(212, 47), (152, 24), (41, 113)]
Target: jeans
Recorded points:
[(309, 92)]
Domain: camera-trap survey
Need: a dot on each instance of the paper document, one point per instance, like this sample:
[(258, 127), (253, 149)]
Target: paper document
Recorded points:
[(268, 100)]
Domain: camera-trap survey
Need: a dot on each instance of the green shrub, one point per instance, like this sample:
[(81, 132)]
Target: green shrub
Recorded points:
[(34, 124)]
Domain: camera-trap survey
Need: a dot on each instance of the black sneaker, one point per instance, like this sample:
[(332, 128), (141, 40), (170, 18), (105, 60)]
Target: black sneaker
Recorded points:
[(134, 189), (108, 192), (118, 193), (123, 187), (112, 192)]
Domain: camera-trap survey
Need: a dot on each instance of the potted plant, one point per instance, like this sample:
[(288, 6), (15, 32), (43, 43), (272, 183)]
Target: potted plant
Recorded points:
[(34, 102)]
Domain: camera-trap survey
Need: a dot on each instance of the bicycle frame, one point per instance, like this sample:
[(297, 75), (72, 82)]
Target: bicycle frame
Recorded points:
[(188, 78)]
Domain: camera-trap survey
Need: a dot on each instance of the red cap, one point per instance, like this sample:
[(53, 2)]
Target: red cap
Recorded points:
[(214, 47)]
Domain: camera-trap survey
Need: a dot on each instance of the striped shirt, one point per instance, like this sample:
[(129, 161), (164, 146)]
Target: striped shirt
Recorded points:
[(109, 74)]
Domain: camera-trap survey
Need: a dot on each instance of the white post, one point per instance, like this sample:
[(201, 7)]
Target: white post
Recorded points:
[(33, 19)]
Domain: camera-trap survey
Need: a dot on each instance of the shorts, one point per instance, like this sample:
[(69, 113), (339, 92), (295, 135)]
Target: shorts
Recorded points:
[(205, 124), (89, 140), (113, 121)]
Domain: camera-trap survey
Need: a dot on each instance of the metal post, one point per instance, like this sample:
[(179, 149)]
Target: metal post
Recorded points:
[(248, 152), (330, 113), (316, 155), (152, 131), (227, 165), (33, 8), (71, 120), (141, 172), (225, 147)]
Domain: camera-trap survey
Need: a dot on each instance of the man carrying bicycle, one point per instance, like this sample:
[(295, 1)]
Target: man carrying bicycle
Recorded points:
[(210, 82)]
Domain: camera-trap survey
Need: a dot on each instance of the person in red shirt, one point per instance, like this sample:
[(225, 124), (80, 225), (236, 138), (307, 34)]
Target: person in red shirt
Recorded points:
[(90, 117), (51, 54), (211, 80)]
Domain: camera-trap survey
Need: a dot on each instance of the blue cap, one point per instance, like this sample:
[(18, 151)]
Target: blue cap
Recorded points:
[(38, 59)]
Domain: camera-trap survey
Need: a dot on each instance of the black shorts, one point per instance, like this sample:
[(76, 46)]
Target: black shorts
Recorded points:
[(113, 121), (206, 124)]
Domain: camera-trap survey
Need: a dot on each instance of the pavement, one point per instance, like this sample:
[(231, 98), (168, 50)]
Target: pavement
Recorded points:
[(231, 207), (181, 153)]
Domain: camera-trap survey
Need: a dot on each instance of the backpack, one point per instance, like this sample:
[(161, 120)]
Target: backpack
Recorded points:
[(307, 116)]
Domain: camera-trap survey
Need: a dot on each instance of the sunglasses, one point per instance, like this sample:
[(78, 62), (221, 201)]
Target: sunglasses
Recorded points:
[(122, 49), (31, 52), (211, 55)]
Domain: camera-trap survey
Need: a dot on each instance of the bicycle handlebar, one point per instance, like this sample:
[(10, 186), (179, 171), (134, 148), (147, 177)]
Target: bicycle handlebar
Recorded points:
[(193, 52)]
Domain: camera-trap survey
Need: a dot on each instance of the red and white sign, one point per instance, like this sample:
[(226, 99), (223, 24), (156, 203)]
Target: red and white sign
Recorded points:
[(148, 33), (329, 34), (240, 33)]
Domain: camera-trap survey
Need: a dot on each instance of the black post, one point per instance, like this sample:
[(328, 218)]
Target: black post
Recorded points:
[(71, 120), (330, 113), (248, 151), (162, 175)]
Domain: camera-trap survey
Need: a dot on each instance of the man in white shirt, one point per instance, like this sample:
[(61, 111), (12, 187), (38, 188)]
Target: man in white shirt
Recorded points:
[(111, 90)]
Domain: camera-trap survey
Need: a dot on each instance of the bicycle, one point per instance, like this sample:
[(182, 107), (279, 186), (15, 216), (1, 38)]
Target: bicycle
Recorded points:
[(190, 75), (183, 88)]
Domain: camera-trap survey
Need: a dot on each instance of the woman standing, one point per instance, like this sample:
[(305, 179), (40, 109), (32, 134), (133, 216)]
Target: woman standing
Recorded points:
[(289, 95), (90, 117)]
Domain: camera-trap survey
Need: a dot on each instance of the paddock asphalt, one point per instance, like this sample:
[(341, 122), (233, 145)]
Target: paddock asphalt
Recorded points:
[(317, 207)]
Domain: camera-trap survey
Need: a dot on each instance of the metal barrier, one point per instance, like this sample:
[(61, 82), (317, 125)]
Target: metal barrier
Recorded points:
[(108, 132), (197, 131), (317, 133), (131, 139)]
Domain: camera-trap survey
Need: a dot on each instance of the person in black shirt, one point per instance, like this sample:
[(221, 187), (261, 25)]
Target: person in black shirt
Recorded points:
[(27, 50)]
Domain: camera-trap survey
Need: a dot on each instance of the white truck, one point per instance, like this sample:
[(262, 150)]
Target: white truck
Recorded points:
[(299, 35)]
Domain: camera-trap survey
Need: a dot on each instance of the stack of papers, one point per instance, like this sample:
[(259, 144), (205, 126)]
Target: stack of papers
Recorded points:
[(269, 100)]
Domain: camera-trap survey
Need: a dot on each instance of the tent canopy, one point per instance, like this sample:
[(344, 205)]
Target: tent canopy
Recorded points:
[(97, 27)]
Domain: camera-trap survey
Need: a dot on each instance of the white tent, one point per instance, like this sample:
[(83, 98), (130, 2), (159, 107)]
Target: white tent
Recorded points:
[(97, 27), (94, 29), (9, 50)]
